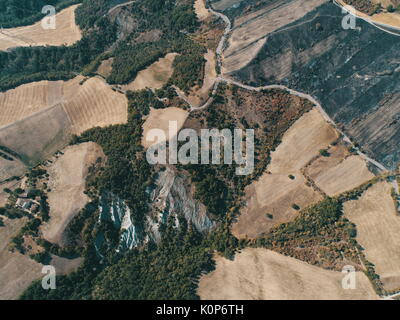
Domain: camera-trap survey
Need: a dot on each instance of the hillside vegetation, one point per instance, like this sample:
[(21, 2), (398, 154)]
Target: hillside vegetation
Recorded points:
[(15, 13)]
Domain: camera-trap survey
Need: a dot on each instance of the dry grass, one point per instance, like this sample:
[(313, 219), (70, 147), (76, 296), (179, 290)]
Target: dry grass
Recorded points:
[(40, 118), (66, 33), (105, 67), (10, 168), (378, 229), (275, 193), (91, 104), (302, 142), (16, 270), (27, 99), (339, 172), (12, 185), (201, 10), (155, 76), (160, 118), (225, 4), (260, 274), (64, 265), (95, 104), (272, 194), (67, 183)]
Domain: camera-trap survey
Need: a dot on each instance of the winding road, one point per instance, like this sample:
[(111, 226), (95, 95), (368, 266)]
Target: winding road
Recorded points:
[(221, 78)]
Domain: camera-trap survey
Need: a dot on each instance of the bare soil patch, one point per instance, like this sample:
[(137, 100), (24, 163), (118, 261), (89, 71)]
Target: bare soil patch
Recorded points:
[(65, 265)]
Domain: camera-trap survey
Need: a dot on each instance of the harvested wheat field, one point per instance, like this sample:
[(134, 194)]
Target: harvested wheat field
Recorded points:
[(67, 183), (16, 270), (159, 119), (87, 103), (105, 67), (378, 229), (27, 99), (201, 10), (275, 193), (272, 194), (348, 174), (65, 33), (302, 142), (339, 172), (96, 104), (261, 274), (250, 30), (155, 76), (39, 118)]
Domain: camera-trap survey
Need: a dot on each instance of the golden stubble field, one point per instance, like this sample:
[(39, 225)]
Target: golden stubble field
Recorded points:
[(378, 229), (65, 33), (160, 119), (339, 172), (261, 274), (37, 119)]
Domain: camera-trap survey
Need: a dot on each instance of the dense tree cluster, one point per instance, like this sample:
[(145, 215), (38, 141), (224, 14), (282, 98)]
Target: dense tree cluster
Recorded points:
[(15, 13)]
